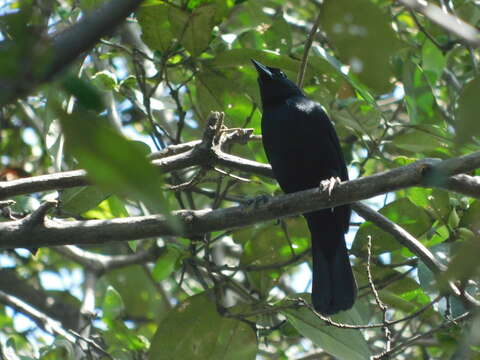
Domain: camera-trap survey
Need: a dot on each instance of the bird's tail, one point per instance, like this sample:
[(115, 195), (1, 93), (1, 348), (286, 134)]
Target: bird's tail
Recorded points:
[(333, 285)]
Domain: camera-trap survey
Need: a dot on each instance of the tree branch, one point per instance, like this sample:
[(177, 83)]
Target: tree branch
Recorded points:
[(415, 246), (463, 184), (401, 235), (53, 232), (48, 324), (68, 45), (454, 25), (62, 311), (42, 320), (175, 157), (101, 263), (306, 50)]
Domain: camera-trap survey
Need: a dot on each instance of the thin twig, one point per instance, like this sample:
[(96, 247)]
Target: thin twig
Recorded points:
[(412, 339), (424, 31), (308, 45), (381, 305)]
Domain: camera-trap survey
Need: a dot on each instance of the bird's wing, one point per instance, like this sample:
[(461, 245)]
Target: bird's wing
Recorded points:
[(344, 212)]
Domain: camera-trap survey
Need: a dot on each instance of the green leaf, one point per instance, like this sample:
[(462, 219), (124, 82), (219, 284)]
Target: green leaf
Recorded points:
[(87, 95), (155, 25), (341, 343), (435, 201), (60, 349), (402, 292), (278, 37), (89, 5), (266, 245), (77, 200), (114, 163), (166, 263), (222, 7), (426, 276), (11, 349), (464, 263), (423, 141), (220, 86), (471, 217), (468, 11), (319, 64), (433, 61), (363, 36), (402, 212), (194, 330), (359, 116), (112, 305), (144, 301), (242, 57), (263, 246), (105, 80), (110, 208), (420, 101), (120, 339), (468, 108), (193, 30)]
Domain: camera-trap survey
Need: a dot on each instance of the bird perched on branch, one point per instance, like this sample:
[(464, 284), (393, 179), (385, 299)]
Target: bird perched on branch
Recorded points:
[(303, 148)]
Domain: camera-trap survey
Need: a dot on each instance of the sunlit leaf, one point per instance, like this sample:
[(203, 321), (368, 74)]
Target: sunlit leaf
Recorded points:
[(341, 343), (471, 217), (404, 213), (194, 330), (77, 200), (363, 36), (419, 98), (433, 61), (166, 263), (112, 304), (110, 208), (155, 25), (193, 30), (113, 162), (144, 301)]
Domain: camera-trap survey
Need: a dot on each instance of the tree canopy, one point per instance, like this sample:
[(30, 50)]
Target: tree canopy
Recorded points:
[(139, 215)]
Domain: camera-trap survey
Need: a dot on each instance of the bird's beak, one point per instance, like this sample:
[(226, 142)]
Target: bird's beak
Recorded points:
[(262, 70)]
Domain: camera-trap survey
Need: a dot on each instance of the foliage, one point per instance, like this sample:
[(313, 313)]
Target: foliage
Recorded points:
[(397, 86)]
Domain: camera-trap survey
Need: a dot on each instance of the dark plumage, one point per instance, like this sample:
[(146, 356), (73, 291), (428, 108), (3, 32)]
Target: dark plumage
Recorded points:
[(303, 149)]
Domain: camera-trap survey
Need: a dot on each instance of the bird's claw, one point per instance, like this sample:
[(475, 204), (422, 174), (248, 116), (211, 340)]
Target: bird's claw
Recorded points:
[(329, 184), (257, 201)]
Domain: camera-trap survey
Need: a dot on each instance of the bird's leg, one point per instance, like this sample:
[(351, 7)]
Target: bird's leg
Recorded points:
[(329, 184)]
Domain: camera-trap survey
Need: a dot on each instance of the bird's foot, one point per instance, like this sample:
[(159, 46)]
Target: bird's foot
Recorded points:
[(257, 201), (329, 184)]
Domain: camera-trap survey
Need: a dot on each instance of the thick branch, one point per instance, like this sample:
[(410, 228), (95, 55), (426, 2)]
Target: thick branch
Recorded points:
[(193, 156), (48, 324), (69, 44), (42, 320), (61, 232), (67, 314), (464, 184), (454, 25)]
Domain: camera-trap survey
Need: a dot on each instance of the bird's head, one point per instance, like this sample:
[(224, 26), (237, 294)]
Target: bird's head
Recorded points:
[(275, 87)]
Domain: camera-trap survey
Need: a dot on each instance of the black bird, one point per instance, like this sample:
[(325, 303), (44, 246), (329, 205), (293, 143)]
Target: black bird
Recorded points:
[(303, 148)]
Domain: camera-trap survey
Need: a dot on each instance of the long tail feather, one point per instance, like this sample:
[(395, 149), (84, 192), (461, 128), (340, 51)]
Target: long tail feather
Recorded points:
[(333, 285)]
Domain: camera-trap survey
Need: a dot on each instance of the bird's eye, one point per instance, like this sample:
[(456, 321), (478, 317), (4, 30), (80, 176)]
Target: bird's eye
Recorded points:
[(282, 74)]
